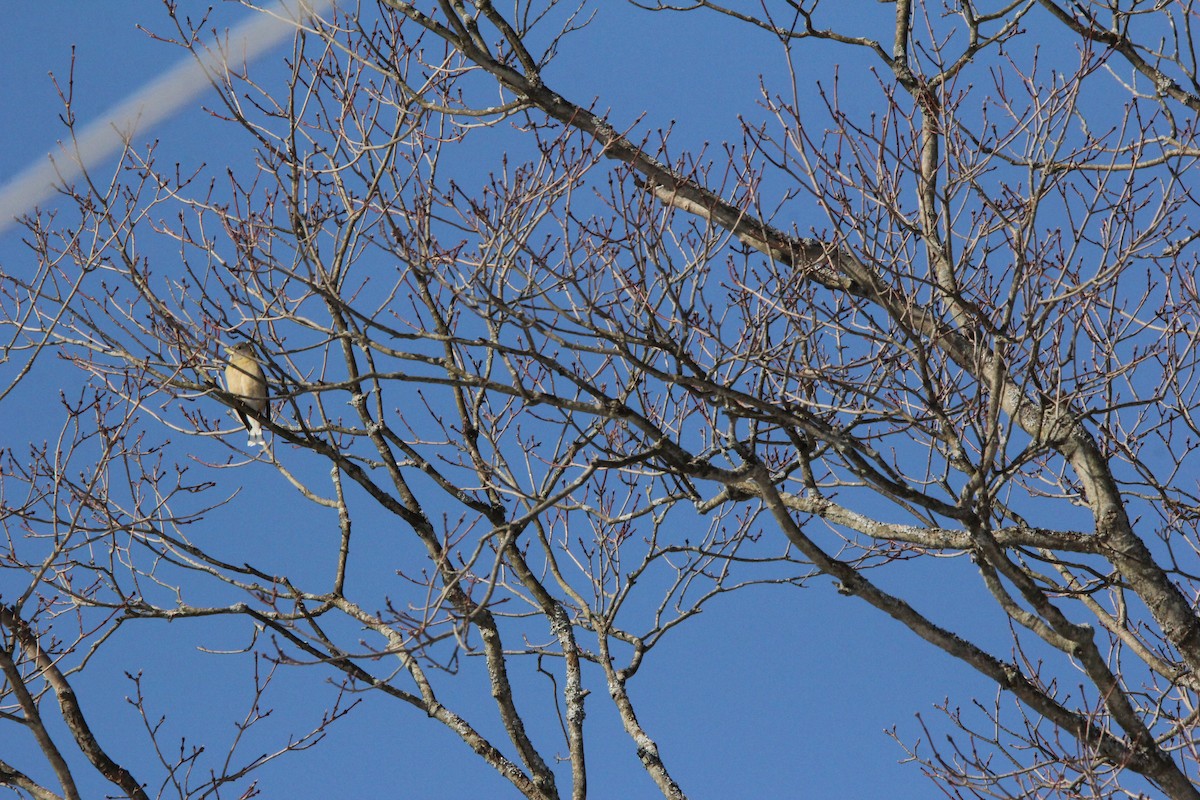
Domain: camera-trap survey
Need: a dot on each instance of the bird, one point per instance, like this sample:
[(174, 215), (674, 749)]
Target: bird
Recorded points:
[(245, 380)]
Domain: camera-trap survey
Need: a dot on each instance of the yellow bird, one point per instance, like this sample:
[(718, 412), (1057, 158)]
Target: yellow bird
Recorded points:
[(244, 378)]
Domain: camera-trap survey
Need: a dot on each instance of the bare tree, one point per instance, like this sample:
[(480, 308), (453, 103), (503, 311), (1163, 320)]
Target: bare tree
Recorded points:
[(619, 378)]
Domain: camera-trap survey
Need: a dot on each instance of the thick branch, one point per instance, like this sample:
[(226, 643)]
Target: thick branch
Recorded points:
[(69, 705)]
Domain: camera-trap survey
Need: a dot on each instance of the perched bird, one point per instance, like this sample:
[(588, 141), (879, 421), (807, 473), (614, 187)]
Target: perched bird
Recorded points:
[(244, 378)]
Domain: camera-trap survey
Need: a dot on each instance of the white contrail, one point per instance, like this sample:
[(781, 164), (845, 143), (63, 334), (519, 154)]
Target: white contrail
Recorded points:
[(151, 104)]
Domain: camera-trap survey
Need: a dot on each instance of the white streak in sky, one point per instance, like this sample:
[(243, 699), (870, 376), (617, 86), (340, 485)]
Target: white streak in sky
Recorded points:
[(151, 104)]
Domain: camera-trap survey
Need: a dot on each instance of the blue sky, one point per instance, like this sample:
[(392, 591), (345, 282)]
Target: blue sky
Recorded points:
[(770, 693)]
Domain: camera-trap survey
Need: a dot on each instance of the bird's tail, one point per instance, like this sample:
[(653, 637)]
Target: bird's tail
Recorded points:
[(256, 437)]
